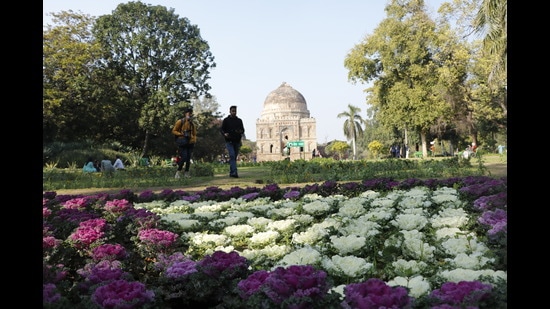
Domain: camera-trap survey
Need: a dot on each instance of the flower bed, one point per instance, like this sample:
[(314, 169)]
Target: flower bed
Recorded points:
[(410, 244)]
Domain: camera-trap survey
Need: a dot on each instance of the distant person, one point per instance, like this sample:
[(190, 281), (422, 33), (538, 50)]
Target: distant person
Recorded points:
[(89, 166), (118, 165), (500, 149), (97, 166), (107, 167), (185, 132), (175, 159), (232, 130)]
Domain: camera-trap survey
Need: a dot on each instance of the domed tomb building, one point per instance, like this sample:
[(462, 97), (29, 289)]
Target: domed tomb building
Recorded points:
[(285, 121)]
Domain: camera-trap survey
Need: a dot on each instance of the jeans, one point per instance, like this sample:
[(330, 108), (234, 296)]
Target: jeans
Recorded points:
[(233, 150), (185, 153)]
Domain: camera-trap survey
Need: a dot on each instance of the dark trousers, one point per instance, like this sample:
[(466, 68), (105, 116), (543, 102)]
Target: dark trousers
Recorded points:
[(185, 153), (233, 150)]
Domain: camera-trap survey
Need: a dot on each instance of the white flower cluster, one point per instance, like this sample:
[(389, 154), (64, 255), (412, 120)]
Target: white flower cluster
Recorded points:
[(347, 266), (302, 256), (348, 244), (316, 208), (425, 239)]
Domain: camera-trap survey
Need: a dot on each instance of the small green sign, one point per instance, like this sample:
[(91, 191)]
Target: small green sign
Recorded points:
[(295, 144)]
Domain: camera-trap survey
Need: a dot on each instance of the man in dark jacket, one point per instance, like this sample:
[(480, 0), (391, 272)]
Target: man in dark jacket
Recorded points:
[(232, 130)]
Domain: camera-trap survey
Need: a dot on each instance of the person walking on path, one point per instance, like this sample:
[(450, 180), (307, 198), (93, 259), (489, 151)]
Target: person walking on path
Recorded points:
[(185, 132), (232, 130)]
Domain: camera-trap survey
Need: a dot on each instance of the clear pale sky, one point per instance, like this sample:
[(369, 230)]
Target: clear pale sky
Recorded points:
[(258, 45)]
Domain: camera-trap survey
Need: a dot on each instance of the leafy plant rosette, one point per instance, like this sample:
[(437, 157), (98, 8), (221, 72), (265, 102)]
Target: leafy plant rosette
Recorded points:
[(377, 243)]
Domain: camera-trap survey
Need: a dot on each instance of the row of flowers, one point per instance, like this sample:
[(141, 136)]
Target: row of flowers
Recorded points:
[(371, 244)]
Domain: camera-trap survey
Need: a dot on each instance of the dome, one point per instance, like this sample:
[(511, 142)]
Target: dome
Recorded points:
[(284, 102)]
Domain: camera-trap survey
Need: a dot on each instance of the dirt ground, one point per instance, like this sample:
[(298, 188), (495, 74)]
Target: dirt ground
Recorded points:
[(496, 170)]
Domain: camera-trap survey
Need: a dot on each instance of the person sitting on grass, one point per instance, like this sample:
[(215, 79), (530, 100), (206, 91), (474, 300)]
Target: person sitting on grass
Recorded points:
[(89, 166), (107, 167), (118, 163)]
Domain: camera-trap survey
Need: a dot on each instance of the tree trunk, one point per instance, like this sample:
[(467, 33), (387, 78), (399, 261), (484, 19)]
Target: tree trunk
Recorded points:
[(424, 144)]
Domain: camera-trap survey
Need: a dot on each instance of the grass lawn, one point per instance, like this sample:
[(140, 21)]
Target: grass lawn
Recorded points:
[(252, 176)]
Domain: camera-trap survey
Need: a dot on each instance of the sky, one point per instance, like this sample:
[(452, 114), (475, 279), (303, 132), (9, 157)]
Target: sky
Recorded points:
[(258, 45)]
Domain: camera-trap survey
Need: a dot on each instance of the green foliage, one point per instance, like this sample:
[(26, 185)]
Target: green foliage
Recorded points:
[(138, 35), (375, 147), (131, 177), (281, 172), (427, 78), (245, 150), (338, 147), (353, 126)]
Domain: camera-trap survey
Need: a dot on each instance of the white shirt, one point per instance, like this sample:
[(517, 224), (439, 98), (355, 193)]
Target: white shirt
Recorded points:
[(118, 164)]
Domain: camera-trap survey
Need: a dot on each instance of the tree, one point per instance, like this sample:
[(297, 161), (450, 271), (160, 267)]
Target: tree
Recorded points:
[(337, 147), (69, 56), (492, 21), (399, 57), (376, 148), (160, 59), (476, 93), (352, 126)]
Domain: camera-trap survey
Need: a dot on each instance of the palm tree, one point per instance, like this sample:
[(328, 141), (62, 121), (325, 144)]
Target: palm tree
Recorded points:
[(352, 125), (492, 20)]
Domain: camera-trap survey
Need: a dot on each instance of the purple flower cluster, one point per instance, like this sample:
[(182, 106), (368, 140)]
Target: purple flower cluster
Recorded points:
[(464, 294), (491, 202), (122, 294), (68, 216), (103, 271), (49, 293), (147, 196), (297, 286), (109, 252), (141, 217), (250, 196), (476, 187), (163, 261), (222, 264), (273, 191), (181, 269), (497, 220), (292, 195), (375, 293), (381, 184)]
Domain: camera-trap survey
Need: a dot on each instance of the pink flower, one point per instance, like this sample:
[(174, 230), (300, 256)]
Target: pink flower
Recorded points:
[(88, 232), (75, 203), (117, 206), (46, 212), (156, 237), (109, 252), (50, 242)]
